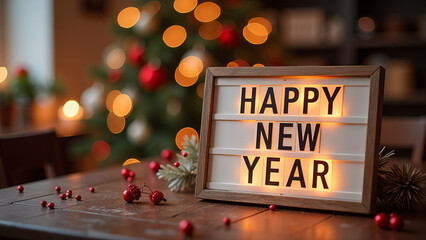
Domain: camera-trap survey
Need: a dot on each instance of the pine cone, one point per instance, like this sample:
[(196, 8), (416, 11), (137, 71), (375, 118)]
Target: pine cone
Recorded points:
[(135, 190)]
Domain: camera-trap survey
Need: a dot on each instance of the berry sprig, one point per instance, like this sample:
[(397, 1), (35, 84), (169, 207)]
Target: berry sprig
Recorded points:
[(134, 192), (393, 221)]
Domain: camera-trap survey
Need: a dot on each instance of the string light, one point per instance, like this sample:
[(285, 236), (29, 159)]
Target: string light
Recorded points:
[(110, 99), (191, 66), (207, 12), (184, 6), (258, 65), (71, 108), (238, 63), (122, 105), (3, 74), (128, 17), (174, 36), (115, 124), (210, 30), (263, 21), (183, 80), (252, 37)]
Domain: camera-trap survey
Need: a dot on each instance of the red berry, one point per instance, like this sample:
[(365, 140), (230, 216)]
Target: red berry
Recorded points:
[(396, 222), (58, 189), (127, 196), (184, 154), (69, 191), (63, 196), (381, 220), (176, 164), (125, 173), (78, 198), (131, 174), (92, 189), (69, 194), (135, 191), (226, 221), (43, 203), (156, 197), (392, 214), (186, 227), (20, 188), (154, 166), (51, 205), (130, 179), (166, 154), (272, 207)]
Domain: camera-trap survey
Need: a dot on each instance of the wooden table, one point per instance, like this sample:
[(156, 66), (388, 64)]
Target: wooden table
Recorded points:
[(105, 215)]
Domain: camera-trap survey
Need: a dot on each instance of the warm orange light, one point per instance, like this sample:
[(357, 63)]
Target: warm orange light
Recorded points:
[(366, 24), (191, 66), (258, 65), (71, 108), (110, 99), (115, 124), (131, 161), (255, 37), (207, 12), (263, 21), (116, 58), (200, 90), (3, 74), (210, 30), (188, 131), (183, 80), (174, 36), (122, 105), (238, 63), (184, 6), (128, 17)]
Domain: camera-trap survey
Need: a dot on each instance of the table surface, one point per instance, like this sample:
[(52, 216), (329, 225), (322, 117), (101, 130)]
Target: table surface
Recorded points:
[(105, 215)]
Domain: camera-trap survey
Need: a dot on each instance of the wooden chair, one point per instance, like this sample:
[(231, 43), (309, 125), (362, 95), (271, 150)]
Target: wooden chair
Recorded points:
[(405, 132), (29, 156)]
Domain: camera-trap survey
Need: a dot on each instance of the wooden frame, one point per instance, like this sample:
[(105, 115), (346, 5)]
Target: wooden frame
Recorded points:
[(367, 204)]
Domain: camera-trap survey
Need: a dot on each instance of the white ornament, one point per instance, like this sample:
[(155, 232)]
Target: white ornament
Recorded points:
[(138, 131), (92, 99)]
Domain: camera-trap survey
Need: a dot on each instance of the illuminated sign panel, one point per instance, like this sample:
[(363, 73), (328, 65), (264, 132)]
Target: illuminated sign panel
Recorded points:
[(294, 135)]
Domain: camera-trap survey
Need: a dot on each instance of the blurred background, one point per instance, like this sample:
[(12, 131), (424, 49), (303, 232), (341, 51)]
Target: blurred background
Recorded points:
[(118, 79)]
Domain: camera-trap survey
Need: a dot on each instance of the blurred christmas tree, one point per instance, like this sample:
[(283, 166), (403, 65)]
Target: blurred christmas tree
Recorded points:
[(151, 83)]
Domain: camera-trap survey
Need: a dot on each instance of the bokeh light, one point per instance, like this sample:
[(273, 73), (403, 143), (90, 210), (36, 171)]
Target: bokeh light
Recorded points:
[(207, 12), (122, 105), (3, 74), (188, 131), (128, 17), (183, 80), (263, 21), (252, 37), (210, 30), (200, 90), (151, 7), (131, 161), (366, 24), (191, 66), (110, 99), (71, 108), (115, 124), (238, 63), (116, 58), (258, 65), (100, 150), (184, 6), (174, 36), (257, 29)]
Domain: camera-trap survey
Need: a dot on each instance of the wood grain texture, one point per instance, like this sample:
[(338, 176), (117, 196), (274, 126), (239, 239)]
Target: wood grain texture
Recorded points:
[(376, 75)]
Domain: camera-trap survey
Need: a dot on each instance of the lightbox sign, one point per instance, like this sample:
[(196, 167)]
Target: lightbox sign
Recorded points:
[(292, 136)]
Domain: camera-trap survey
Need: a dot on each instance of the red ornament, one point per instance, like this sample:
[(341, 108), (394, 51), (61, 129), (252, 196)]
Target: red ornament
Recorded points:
[(381, 220), (226, 221), (92, 189), (184, 154), (167, 154), (58, 189), (130, 179), (125, 173), (63, 196), (127, 196), (78, 198), (20, 188), (69, 194), (186, 227), (51, 205), (156, 197), (229, 36), (154, 166), (21, 72), (135, 54), (396, 222), (43, 203), (176, 164), (272, 207), (152, 77), (114, 75)]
